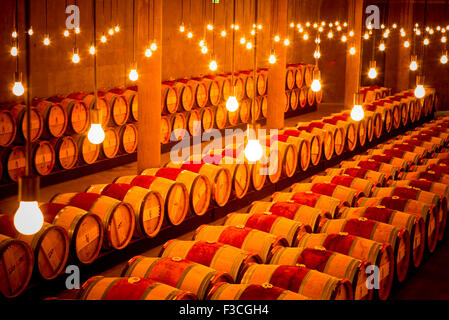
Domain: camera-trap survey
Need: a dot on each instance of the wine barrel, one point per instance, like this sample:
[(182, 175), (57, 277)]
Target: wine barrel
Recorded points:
[(390, 171), (133, 288), (290, 79), (379, 254), (299, 75), (302, 147), (244, 110), (294, 99), (362, 186), (286, 101), (17, 260), (286, 154), (437, 188), (303, 97), (249, 83), (50, 246), (169, 98), (213, 90), (414, 225), (267, 222), (412, 157), (193, 118), (347, 196), (77, 114), (319, 97), (326, 138), (422, 152), (200, 92), (376, 129), (233, 117), (402, 164), (221, 257), (227, 291), (88, 100), (117, 217), (66, 151), (377, 178), (219, 178), (185, 95), (128, 138), (44, 157), (174, 194), (424, 210), (399, 239), (178, 124), (314, 142), (306, 215), (310, 97), (385, 114), (250, 240), (198, 186), (37, 123), (220, 116), (225, 85), (311, 283), (132, 99), (308, 74), (239, 87), (207, 118), (327, 205), (55, 118), (396, 112), (255, 110), (88, 152), (84, 229), (341, 135), (176, 272), (165, 129), (263, 102), (15, 160), (148, 206), (348, 135), (8, 128), (262, 80), (332, 263), (430, 147), (111, 143)]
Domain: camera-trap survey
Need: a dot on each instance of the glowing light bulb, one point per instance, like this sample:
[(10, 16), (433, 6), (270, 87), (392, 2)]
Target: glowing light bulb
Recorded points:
[(286, 42), (204, 50), (75, 57), (330, 35), (28, 219), (253, 150), (352, 51), (420, 92), (344, 39), (382, 47), (117, 28), (366, 36), (315, 25), (426, 41), (77, 30), (47, 41), (395, 25), (223, 33), (190, 35), (443, 39), (133, 75), (406, 44), (259, 27), (103, 39), (345, 24), (202, 43), (14, 51), (339, 28), (66, 33), (232, 104), (418, 32), (292, 25), (382, 26), (357, 113), (249, 45), (413, 65), (386, 34), (253, 32), (96, 134), (317, 54), (317, 40), (316, 85), (320, 29), (237, 27), (242, 40), (305, 36), (351, 33), (443, 59), (213, 65), (92, 50), (372, 73), (403, 33), (210, 27), (307, 24), (182, 28), (30, 31), (18, 88), (272, 59), (431, 31), (148, 52), (153, 46), (111, 31), (277, 38)]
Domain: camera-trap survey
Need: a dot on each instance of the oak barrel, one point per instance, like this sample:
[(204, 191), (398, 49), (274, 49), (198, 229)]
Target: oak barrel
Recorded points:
[(8, 128), (37, 123), (266, 291), (128, 138)]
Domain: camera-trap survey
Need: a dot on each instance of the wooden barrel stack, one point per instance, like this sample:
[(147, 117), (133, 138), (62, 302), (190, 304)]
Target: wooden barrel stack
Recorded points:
[(298, 92)]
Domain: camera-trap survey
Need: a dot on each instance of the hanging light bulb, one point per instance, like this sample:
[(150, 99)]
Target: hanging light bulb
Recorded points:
[(305, 36), (253, 32), (315, 25), (426, 41), (443, 39), (28, 218), (443, 58), (242, 40), (344, 38), (339, 28), (46, 40), (330, 35), (317, 54), (213, 66), (300, 30), (286, 42), (320, 29), (395, 25), (182, 28), (431, 31), (259, 27), (204, 50), (351, 33), (366, 36), (316, 84), (223, 33), (30, 31), (307, 24), (277, 38), (292, 25), (111, 31), (232, 104), (372, 73), (272, 59), (117, 28), (148, 52), (133, 75), (103, 38), (406, 44), (352, 51), (202, 43), (92, 49), (345, 24), (18, 89), (420, 92), (403, 34), (77, 30), (96, 133), (237, 27), (190, 35), (357, 113), (14, 34), (414, 63), (210, 27), (66, 33), (253, 149), (153, 46), (249, 45), (382, 46), (75, 56), (14, 51)]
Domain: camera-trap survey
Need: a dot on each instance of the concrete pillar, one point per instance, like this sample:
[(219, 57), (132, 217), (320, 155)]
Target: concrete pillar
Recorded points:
[(397, 73), (276, 72), (352, 74), (149, 83)]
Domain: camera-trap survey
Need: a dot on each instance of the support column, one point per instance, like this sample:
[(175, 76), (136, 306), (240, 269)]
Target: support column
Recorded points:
[(277, 72), (149, 83), (352, 74), (397, 73)]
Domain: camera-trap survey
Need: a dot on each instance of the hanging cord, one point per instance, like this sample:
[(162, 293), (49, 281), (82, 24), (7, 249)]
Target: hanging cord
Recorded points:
[(272, 24), (253, 109), (182, 12), (16, 28), (317, 39), (148, 24), (75, 38), (28, 85), (153, 17), (134, 34), (46, 17), (233, 49), (94, 35), (213, 31), (423, 49)]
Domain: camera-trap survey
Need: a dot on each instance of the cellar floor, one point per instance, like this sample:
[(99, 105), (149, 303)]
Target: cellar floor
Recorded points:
[(430, 281)]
